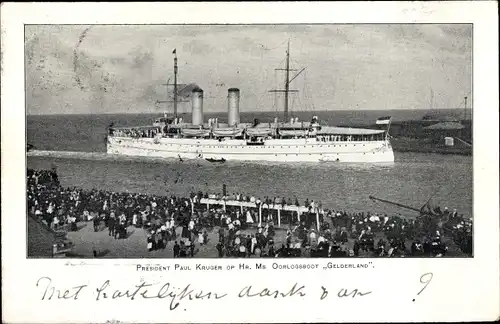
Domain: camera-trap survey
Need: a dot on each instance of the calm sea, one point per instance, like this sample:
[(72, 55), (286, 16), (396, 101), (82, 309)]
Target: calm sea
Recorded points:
[(411, 180)]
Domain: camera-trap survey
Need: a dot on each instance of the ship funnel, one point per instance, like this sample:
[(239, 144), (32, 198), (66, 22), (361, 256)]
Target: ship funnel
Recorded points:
[(197, 106), (233, 107)]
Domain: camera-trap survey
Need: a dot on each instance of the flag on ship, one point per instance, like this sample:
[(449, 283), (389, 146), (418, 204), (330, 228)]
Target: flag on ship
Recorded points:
[(383, 120)]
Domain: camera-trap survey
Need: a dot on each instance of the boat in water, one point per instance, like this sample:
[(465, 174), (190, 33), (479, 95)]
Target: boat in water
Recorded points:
[(288, 141), (221, 160)]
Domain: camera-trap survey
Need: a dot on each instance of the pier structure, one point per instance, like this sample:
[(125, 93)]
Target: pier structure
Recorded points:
[(278, 207)]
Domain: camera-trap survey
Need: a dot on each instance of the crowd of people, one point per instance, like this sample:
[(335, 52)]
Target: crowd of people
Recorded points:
[(239, 231), (134, 132)]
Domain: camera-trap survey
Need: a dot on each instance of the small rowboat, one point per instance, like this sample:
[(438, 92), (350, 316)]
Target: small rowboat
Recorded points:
[(329, 159), (221, 160)]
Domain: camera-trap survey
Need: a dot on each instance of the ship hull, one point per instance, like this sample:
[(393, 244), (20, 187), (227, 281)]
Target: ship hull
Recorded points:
[(279, 150)]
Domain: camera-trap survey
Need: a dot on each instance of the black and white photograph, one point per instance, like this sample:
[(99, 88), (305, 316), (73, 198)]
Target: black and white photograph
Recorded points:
[(249, 141)]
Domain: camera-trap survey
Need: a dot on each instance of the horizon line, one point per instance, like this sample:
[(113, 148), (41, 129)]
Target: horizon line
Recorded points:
[(247, 112)]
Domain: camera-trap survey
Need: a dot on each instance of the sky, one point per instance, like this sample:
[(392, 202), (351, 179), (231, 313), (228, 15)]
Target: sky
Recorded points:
[(75, 69)]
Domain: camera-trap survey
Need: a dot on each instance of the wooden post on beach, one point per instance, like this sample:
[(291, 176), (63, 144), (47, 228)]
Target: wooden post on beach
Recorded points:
[(192, 206), (279, 217), (241, 209), (317, 219), (298, 215), (260, 215), (224, 205)]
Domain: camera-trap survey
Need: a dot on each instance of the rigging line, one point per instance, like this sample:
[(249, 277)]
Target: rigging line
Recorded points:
[(463, 100), (309, 91), (259, 99), (305, 91), (275, 93), (281, 63), (302, 105), (265, 48)]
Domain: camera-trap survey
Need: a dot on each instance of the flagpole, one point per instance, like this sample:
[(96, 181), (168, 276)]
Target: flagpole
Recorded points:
[(388, 127), (175, 83)]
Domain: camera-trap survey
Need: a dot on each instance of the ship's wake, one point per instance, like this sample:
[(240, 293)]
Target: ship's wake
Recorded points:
[(94, 156)]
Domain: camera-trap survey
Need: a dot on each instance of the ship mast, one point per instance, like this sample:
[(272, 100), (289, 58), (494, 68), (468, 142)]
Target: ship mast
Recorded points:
[(175, 83), (287, 80), (175, 86)]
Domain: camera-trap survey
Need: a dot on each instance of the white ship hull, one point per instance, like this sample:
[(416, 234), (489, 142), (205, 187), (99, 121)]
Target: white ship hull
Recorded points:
[(279, 150)]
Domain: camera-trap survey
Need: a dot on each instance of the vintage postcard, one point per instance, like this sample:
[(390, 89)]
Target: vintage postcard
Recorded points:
[(302, 161)]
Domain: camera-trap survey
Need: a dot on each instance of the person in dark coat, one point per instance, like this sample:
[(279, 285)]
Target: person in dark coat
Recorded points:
[(221, 235), (356, 248), (160, 243), (185, 232), (176, 250), (416, 248), (191, 249), (96, 222), (155, 243), (427, 247), (111, 226), (219, 249), (182, 250), (342, 238), (248, 245), (271, 253)]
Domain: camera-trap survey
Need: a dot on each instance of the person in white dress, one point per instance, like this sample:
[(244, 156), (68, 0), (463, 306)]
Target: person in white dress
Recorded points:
[(201, 240), (254, 244), (86, 215), (55, 222), (312, 237), (249, 217), (50, 209)]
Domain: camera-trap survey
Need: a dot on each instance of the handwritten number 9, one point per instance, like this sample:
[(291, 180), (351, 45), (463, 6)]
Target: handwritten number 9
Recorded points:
[(425, 279)]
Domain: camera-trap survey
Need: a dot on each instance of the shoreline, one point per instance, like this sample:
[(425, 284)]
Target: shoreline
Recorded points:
[(422, 146)]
